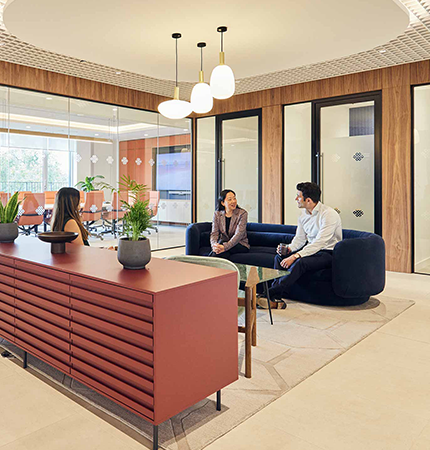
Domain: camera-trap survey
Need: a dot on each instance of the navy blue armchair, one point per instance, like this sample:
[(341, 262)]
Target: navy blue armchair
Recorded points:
[(358, 269)]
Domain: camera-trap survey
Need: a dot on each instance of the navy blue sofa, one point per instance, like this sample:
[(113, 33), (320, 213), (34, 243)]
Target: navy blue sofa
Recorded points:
[(358, 269)]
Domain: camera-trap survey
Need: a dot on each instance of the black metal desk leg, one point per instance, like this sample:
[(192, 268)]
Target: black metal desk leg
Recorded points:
[(266, 288), (218, 400), (155, 437), (24, 361)]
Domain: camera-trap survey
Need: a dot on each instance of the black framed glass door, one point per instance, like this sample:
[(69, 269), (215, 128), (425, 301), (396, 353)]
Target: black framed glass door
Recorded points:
[(228, 156), (346, 158)]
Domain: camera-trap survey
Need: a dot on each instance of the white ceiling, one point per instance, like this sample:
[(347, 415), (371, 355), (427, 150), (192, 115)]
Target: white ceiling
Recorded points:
[(266, 49), (263, 36)]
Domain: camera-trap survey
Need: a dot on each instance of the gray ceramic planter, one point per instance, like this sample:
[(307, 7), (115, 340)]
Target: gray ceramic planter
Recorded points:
[(134, 254), (8, 232)]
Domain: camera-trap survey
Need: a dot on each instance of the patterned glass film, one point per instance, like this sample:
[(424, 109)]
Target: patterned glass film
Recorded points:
[(297, 155), (421, 139), (206, 167), (347, 163)]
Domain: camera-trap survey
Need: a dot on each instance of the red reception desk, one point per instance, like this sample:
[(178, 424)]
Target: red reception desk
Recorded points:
[(155, 341)]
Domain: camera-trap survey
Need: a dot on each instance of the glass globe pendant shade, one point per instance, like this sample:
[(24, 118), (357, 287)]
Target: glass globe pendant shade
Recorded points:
[(201, 97), (175, 109), (222, 80)]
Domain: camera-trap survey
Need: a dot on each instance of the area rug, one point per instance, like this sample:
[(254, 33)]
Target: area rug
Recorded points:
[(302, 340)]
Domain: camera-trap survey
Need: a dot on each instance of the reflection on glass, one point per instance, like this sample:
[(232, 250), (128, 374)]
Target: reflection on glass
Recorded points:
[(297, 155), (240, 162), (48, 142), (422, 179), (205, 182)]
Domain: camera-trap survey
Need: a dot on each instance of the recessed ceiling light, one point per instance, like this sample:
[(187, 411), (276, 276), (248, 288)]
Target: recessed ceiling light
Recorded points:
[(382, 51), (48, 98), (118, 72)]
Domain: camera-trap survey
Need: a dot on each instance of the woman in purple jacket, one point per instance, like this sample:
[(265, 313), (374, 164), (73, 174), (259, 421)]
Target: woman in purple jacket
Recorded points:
[(228, 234)]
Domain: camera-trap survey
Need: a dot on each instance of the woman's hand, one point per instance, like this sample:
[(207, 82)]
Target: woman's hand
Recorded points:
[(218, 248)]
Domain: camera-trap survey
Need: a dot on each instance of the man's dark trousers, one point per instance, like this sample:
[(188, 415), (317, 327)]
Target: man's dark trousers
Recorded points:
[(320, 260)]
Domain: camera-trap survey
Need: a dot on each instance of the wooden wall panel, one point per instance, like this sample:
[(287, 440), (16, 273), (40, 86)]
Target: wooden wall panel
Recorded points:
[(55, 83), (396, 177), (394, 82), (272, 164), (420, 72)]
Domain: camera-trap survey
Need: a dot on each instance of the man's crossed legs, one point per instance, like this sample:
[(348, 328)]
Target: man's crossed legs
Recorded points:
[(280, 287)]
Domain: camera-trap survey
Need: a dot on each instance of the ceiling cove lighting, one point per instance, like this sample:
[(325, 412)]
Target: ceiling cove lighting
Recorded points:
[(175, 109), (222, 78), (201, 95)]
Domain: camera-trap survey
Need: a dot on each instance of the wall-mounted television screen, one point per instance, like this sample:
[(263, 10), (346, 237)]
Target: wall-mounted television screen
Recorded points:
[(174, 172)]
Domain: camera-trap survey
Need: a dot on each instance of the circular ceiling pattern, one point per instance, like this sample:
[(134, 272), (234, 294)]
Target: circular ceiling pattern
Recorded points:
[(263, 36)]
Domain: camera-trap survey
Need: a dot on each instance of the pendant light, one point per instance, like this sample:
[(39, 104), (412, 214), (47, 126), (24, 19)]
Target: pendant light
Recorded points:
[(175, 109), (201, 95), (222, 78)]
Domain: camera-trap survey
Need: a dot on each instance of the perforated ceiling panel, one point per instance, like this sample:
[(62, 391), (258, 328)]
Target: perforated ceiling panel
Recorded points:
[(413, 45)]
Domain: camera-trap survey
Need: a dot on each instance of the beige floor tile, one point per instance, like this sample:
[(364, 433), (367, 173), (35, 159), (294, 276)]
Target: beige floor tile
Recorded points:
[(337, 419), (75, 433), (402, 285), (402, 388), (255, 434), (393, 350), (412, 324), (423, 440), (28, 404), (6, 370)]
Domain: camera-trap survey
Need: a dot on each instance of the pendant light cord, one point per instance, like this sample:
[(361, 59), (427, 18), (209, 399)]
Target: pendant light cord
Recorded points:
[(201, 59), (176, 62), (222, 41)]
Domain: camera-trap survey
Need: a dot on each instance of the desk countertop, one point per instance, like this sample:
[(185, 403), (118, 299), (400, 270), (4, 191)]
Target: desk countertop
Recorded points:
[(101, 264)]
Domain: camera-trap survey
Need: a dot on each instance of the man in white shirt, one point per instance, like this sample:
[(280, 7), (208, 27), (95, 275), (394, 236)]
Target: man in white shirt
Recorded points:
[(319, 229)]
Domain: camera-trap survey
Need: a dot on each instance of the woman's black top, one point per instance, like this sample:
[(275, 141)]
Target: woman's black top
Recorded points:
[(66, 219), (227, 224)]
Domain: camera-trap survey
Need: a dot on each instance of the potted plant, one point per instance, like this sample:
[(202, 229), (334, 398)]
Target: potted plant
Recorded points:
[(89, 184), (134, 249), (8, 213)]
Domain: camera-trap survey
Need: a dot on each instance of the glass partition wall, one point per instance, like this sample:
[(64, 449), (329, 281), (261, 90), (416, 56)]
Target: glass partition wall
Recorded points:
[(229, 157), (421, 172), (48, 142)]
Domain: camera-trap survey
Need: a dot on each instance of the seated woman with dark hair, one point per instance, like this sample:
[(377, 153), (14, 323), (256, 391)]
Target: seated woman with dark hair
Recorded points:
[(228, 234), (66, 215)]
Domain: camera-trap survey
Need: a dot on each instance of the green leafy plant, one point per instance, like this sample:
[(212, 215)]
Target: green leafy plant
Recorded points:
[(89, 184), (9, 212), (138, 215)]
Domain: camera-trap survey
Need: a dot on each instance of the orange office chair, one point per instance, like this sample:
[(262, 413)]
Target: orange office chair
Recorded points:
[(112, 214), (154, 200), (31, 213), (4, 198), (23, 194), (92, 211)]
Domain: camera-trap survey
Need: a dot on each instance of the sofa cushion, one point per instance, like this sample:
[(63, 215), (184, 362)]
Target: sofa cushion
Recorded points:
[(261, 239)]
